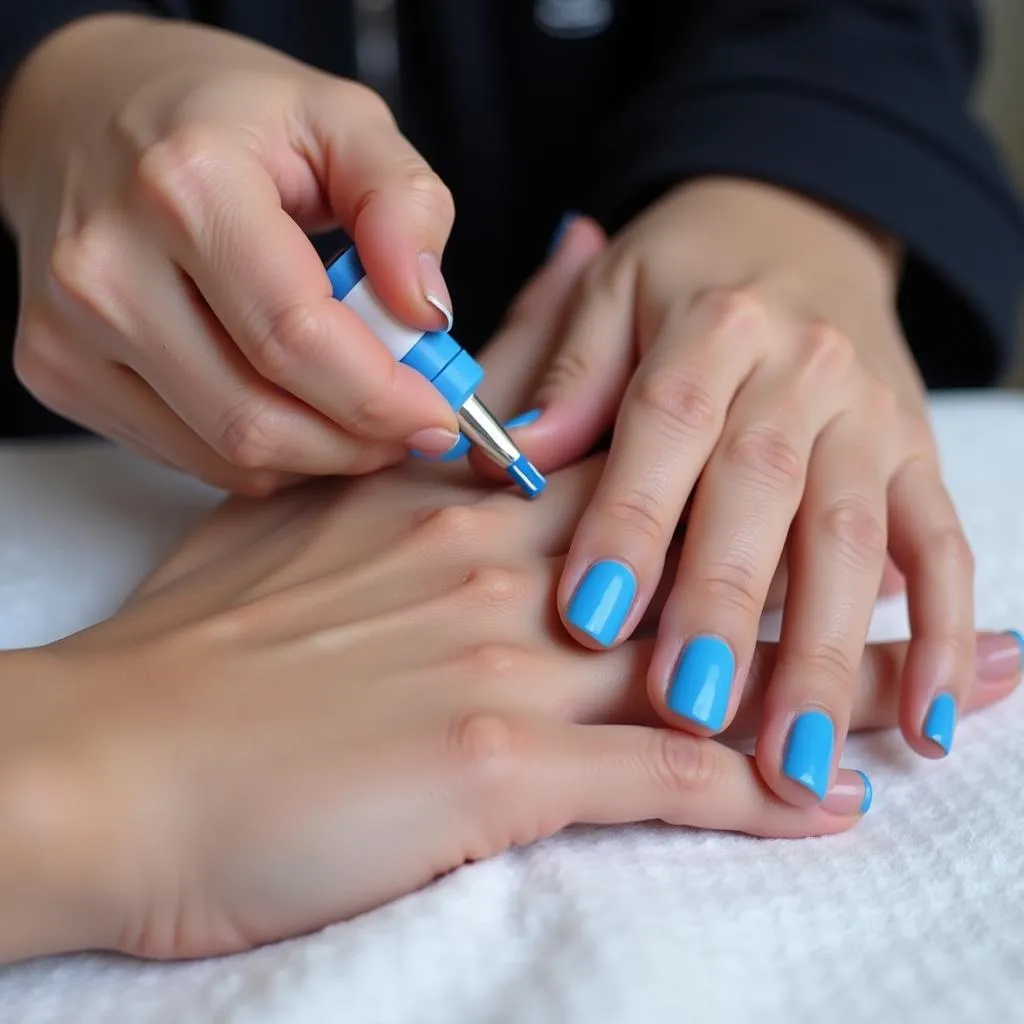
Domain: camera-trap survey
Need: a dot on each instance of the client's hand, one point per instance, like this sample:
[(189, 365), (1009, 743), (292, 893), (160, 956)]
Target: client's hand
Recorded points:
[(327, 699)]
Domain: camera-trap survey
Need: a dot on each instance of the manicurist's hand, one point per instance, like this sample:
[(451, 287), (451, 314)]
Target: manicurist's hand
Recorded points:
[(744, 343), (159, 177)]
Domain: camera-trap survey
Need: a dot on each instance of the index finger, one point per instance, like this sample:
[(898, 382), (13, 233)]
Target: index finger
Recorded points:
[(265, 283)]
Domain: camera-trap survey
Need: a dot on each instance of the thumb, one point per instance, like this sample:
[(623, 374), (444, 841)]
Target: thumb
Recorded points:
[(519, 355), (388, 200), (586, 371)]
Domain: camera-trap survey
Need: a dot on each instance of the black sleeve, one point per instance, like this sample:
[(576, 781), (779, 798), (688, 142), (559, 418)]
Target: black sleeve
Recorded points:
[(860, 103)]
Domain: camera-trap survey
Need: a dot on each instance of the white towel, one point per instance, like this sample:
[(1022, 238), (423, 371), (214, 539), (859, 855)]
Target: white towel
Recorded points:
[(916, 915)]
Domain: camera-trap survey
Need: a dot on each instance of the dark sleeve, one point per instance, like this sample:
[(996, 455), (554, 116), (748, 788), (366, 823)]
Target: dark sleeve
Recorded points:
[(860, 103)]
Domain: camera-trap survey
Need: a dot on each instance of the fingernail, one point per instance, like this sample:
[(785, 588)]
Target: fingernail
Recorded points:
[(433, 442), (807, 759), (457, 452), (851, 794), (522, 420), (941, 722), (601, 602), (998, 656), (435, 289), (567, 221), (702, 683)]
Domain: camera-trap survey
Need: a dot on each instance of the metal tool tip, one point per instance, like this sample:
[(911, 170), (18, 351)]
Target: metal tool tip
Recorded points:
[(527, 477)]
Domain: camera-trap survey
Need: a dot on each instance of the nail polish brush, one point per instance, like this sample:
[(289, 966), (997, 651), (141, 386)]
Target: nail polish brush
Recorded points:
[(439, 358)]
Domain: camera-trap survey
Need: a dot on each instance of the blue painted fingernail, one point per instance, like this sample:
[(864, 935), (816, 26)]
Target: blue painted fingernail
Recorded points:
[(869, 793), (941, 722), (561, 231), (702, 683), (1019, 637), (602, 601), (522, 420), (457, 452), (807, 758)]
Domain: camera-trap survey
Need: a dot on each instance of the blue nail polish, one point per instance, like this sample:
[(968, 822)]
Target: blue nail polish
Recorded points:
[(561, 231), (522, 420), (460, 449), (869, 793), (941, 722), (807, 759), (1019, 637), (602, 601), (702, 683)]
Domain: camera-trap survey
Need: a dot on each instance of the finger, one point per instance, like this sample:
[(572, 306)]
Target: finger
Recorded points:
[(163, 330), (518, 355), (387, 198), (590, 358), (836, 556), (876, 693), (224, 225), (114, 402), (742, 511), (610, 687), (564, 774), (670, 422), (929, 547), (892, 584)]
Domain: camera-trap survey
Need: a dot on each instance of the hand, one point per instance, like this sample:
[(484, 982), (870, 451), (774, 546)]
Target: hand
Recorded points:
[(324, 699), (328, 698), (170, 298), (752, 341)]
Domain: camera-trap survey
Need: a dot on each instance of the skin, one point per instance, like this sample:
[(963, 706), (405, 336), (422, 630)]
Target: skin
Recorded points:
[(742, 341), (325, 699), (744, 344), (170, 297)]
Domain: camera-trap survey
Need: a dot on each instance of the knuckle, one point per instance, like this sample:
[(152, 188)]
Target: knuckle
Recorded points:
[(857, 532), (919, 439), (826, 351), (81, 266), (732, 310), (732, 587), (682, 764), (949, 546), (496, 663), (372, 408), (484, 746), (565, 371), (292, 337), (370, 104), (428, 191), (455, 529), (494, 587), (830, 661), (683, 406), (251, 434), (764, 453), (174, 174), (640, 513)]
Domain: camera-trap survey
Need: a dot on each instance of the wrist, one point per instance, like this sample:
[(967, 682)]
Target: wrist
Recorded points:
[(55, 888)]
